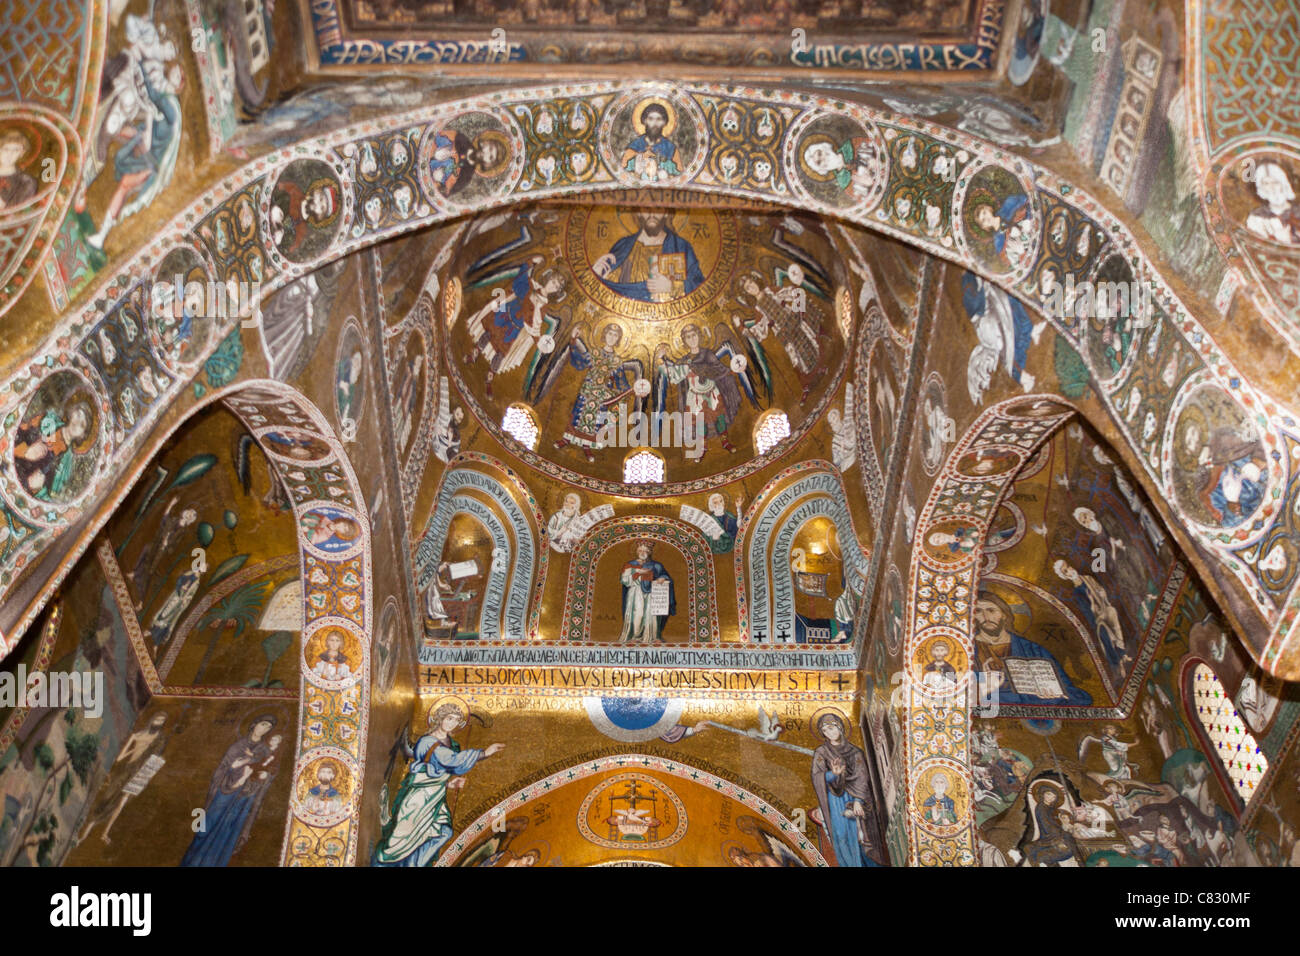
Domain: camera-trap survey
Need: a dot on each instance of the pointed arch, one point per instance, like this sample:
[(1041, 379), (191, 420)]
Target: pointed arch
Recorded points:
[(943, 581)]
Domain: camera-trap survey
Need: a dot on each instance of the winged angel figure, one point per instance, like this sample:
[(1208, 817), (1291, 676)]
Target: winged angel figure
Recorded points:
[(609, 377), (708, 382)]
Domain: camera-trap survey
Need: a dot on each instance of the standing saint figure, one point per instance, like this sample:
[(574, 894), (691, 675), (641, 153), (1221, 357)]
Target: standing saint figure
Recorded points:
[(843, 787), (421, 822), (640, 625), (142, 746), (235, 795)]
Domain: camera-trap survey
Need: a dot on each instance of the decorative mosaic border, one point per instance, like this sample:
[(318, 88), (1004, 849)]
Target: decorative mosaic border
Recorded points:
[(940, 601), (331, 48)]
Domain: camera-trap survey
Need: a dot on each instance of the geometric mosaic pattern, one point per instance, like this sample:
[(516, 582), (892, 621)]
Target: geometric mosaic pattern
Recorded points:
[(1229, 739)]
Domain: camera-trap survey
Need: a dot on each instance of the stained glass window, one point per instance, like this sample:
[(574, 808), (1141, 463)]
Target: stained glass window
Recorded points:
[(521, 425), (1231, 742), (771, 429), (643, 468)]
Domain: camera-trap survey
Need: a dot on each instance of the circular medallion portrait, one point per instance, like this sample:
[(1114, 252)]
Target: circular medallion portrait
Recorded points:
[(988, 462), (1259, 193), (470, 157), (1219, 464), (323, 792), (940, 797), (939, 665), (333, 655), (56, 444), (653, 140), (306, 209), (999, 223), (330, 529), (295, 444), (951, 541), (32, 157), (181, 322), (836, 161)]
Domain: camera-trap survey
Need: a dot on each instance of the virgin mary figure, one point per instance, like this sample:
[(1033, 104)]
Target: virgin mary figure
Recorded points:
[(234, 796), (843, 787)]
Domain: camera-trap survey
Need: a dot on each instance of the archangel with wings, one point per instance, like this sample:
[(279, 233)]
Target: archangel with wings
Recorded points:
[(708, 382), (608, 377), (787, 313)]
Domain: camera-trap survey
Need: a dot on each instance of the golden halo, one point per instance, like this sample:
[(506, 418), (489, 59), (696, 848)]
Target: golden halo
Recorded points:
[(816, 723), (600, 334), (439, 702), (803, 151), (705, 337), (502, 141), (639, 110)]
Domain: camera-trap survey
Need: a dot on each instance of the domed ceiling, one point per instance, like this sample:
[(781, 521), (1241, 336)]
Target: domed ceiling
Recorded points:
[(623, 327)]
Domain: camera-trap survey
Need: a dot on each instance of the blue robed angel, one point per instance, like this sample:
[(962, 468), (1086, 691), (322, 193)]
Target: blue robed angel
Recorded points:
[(421, 822)]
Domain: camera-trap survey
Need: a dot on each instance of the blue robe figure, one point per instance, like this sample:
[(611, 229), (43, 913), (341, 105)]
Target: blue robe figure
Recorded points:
[(841, 781), (421, 823), (448, 165), (975, 300), (725, 542), (234, 797), (1023, 647), (1234, 479), (664, 151), (673, 244), (1013, 209), (940, 810)]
